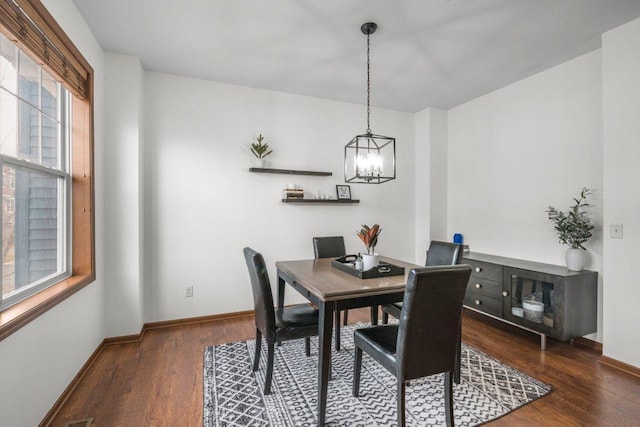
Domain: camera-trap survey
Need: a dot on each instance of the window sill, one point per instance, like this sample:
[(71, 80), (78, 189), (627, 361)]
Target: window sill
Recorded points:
[(20, 314)]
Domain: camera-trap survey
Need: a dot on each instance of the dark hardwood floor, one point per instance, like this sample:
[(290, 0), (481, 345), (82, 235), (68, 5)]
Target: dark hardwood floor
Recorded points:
[(158, 381)]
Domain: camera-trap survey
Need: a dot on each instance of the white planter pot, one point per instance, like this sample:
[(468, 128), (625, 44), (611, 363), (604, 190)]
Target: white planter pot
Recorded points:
[(258, 163), (576, 259), (370, 261)]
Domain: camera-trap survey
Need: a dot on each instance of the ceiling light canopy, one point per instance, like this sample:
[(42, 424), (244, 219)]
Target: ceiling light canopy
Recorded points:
[(370, 158)]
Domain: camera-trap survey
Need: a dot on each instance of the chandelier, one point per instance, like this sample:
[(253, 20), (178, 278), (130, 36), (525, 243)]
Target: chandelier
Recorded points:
[(370, 158)]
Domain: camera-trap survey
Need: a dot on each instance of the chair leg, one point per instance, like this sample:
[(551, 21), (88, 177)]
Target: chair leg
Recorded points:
[(385, 317), (256, 357), (267, 381), (456, 370), (401, 415), (337, 322), (307, 346), (345, 317), (448, 398), (356, 371)]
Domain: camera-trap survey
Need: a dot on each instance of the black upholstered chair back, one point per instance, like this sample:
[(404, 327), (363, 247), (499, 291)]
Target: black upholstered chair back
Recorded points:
[(262, 296), (443, 253), (328, 247), (430, 321)]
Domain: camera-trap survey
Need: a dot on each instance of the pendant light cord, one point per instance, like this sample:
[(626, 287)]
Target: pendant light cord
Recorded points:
[(368, 87)]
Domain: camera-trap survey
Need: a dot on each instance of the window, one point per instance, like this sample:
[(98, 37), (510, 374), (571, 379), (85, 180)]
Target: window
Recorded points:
[(46, 157), (34, 131)]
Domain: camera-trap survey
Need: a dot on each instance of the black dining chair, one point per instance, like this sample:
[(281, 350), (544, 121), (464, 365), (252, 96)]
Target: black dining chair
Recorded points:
[(439, 253), (293, 322), (424, 342), (332, 247)]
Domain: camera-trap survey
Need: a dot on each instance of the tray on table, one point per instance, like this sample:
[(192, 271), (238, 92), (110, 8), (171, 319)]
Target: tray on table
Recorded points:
[(384, 269)]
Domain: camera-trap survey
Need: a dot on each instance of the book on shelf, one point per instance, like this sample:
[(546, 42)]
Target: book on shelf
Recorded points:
[(297, 193)]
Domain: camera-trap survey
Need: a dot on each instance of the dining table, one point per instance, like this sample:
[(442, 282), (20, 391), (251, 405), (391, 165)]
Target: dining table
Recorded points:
[(330, 288)]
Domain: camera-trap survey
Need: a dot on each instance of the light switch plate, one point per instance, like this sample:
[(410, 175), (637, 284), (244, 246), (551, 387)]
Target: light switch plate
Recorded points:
[(615, 231)]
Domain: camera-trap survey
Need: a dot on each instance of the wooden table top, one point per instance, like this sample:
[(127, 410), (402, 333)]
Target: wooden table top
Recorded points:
[(331, 284)]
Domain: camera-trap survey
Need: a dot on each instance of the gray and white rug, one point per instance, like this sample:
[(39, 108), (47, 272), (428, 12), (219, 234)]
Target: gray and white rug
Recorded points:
[(233, 393)]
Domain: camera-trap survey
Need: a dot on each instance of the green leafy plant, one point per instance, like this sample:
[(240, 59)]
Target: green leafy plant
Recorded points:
[(573, 227), (259, 149), (369, 236)]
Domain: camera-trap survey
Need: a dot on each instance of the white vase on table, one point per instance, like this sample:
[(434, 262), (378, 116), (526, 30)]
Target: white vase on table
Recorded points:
[(370, 261)]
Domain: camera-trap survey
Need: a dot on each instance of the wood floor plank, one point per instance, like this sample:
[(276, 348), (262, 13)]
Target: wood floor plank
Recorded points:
[(158, 381)]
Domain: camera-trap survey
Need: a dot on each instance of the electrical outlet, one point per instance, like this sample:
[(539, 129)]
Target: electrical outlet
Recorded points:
[(615, 231), (188, 291)]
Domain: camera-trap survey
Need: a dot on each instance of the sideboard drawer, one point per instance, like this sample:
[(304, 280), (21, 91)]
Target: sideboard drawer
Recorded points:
[(484, 303), (485, 270), (486, 287)]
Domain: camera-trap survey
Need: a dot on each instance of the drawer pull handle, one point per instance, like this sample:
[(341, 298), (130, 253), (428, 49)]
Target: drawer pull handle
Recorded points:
[(478, 269), (477, 302), (478, 285), (505, 293)]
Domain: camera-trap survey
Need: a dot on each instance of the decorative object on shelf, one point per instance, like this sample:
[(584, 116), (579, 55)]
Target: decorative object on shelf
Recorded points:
[(260, 150), (293, 192), (368, 157), (343, 192), (369, 236), (532, 309), (574, 228)]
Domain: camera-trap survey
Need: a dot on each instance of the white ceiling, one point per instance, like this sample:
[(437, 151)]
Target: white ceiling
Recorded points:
[(426, 53)]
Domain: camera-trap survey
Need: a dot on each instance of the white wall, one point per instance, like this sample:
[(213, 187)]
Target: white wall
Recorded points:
[(621, 100), (430, 179), (437, 169), (122, 197), (517, 150), (204, 206), (42, 358)]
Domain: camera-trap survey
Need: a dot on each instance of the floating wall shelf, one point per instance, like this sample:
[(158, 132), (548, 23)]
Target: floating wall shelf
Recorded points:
[(290, 171), (330, 201)]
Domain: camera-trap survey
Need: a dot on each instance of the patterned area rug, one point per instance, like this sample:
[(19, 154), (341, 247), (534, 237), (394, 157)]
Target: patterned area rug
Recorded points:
[(233, 393)]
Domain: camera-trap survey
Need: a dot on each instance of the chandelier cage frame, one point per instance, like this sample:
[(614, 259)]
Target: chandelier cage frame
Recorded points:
[(361, 147)]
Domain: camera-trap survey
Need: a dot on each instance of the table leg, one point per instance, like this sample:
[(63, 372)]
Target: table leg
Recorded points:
[(281, 284), (325, 326), (337, 314), (374, 315)]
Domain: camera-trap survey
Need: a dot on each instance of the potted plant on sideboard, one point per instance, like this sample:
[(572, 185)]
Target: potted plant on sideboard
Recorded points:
[(574, 228)]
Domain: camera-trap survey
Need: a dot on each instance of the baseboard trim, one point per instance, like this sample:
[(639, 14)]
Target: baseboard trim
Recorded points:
[(192, 320), (48, 419), (620, 366), (126, 339), (587, 343)]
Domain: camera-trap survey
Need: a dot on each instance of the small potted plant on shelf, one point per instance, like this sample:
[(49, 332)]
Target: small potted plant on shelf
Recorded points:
[(574, 228), (260, 150), (369, 236)]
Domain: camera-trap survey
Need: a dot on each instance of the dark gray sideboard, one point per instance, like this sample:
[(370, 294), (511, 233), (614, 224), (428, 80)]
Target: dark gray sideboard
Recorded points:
[(559, 303)]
